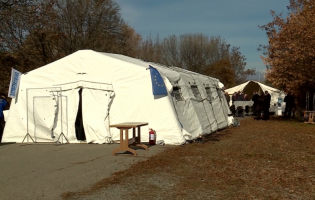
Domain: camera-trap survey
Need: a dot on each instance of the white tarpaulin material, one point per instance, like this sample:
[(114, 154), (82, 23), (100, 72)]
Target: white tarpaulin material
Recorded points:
[(109, 89), (96, 126), (5, 114)]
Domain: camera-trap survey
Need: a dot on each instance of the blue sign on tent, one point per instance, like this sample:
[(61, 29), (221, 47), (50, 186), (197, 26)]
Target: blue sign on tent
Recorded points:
[(14, 84), (158, 85)]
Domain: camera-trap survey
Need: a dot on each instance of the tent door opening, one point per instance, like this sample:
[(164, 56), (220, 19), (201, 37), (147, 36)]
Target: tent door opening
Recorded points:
[(79, 128)]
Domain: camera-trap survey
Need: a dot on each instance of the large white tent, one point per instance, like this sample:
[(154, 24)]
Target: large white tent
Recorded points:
[(108, 89), (251, 86)]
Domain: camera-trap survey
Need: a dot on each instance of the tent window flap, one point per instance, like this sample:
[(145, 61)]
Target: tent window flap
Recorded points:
[(177, 94), (209, 94), (196, 92)]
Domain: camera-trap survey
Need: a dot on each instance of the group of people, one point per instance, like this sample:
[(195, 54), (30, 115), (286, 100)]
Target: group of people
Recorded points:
[(239, 96), (4, 105), (261, 103)]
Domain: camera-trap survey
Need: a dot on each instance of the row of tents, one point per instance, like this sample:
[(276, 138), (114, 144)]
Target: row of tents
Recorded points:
[(79, 96)]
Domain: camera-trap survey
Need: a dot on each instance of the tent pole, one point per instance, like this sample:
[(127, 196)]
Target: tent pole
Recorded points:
[(28, 136), (61, 113), (62, 138)]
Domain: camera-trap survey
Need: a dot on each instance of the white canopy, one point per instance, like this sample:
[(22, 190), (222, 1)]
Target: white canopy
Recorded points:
[(251, 86)]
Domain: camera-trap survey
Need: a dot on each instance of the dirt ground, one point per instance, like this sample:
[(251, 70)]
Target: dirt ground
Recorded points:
[(272, 159)]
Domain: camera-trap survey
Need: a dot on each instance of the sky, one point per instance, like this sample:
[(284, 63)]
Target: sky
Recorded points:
[(234, 20)]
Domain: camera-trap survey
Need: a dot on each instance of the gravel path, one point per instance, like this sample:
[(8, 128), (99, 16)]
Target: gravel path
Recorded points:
[(45, 171)]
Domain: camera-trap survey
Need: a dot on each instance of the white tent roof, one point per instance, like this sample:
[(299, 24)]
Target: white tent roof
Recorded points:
[(250, 86)]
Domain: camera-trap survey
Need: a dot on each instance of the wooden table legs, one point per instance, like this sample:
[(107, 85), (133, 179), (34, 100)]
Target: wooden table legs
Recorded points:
[(311, 116), (138, 139), (124, 143)]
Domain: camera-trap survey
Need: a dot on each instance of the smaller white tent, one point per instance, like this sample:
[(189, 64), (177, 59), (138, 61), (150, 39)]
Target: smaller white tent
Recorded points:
[(251, 86)]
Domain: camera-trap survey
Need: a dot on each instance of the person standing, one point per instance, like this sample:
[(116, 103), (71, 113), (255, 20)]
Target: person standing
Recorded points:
[(240, 97), (255, 100), (293, 105), (260, 106), (246, 97), (234, 97), (3, 104), (228, 98), (266, 105), (289, 101)]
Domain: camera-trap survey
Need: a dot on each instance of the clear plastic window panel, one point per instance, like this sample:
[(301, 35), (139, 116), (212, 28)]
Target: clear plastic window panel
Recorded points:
[(209, 94), (177, 94), (196, 92)]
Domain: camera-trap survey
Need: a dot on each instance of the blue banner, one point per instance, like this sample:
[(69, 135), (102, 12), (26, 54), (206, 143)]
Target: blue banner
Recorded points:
[(158, 85), (14, 84)]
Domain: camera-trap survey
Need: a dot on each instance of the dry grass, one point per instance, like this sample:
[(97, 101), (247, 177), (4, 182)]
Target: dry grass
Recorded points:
[(259, 160)]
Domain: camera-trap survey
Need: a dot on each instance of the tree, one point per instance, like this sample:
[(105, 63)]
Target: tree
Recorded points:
[(92, 24), (290, 54), (238, 64), (35, 33), (14, 29), (222, 70), (196, 52)]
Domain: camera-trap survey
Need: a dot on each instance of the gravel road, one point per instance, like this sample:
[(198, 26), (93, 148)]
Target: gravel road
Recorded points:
[(45, 171)]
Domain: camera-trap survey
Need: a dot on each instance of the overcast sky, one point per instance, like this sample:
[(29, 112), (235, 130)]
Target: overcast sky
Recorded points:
[(235, 20)]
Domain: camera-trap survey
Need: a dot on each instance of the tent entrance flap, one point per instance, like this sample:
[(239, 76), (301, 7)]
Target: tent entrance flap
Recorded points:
[(79, 128), (44, 121), (43, 111), (95, 111)]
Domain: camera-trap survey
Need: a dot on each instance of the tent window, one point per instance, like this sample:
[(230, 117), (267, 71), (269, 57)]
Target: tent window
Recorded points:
[(196, 92), (177, 94), (209, 94)]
